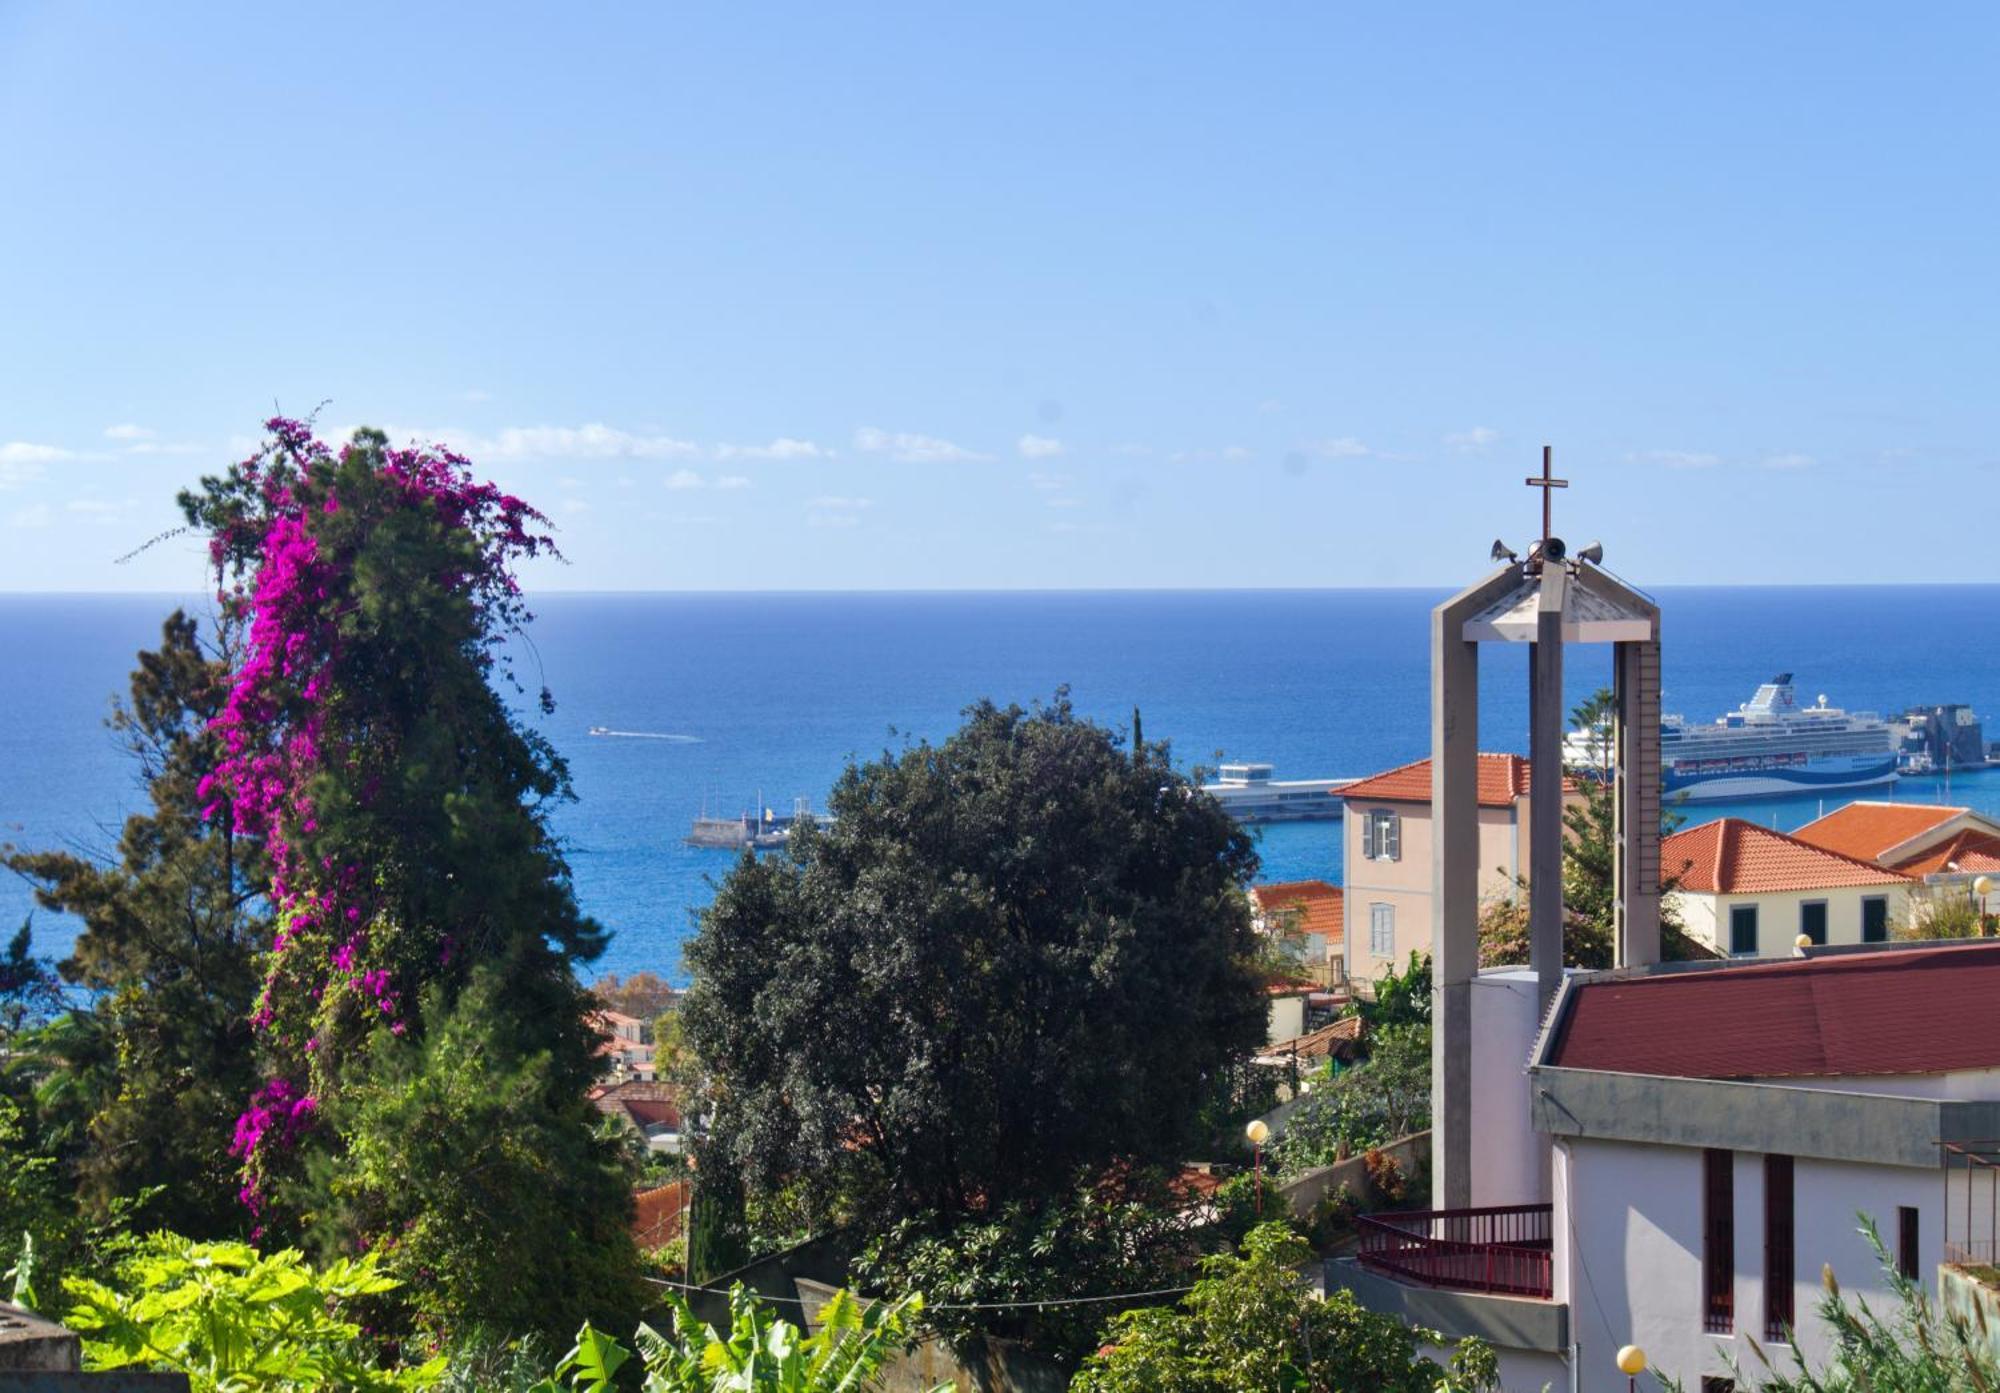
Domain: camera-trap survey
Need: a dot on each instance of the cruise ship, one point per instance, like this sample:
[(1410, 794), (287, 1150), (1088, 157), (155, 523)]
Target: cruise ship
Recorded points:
[(1768, 747)]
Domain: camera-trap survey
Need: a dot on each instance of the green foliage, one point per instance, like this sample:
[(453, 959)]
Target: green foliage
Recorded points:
[(170, 946), (451, 1152), (760, 1354), (236, 1321), (1096, 1241), (1031, 947), (1913, 1348), (1401, 998), (1941, 911), (1387, 1097), (1252, 1326)]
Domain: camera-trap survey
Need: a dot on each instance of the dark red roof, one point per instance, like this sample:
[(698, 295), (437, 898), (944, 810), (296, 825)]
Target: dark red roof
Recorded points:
[(1902, 1011)]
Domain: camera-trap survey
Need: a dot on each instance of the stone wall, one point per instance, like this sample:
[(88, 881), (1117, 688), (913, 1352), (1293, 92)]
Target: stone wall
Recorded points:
[(1303, 1193)]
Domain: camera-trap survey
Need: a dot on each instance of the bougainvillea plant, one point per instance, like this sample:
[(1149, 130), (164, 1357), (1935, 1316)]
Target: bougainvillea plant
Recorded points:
[(366, 747)]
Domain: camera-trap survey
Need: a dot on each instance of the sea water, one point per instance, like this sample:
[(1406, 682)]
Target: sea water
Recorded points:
[(734, 702)]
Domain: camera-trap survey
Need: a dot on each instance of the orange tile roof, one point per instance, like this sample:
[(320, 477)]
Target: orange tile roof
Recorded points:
[(1502, 779), (1870, 829), (658, 1215), (1315, 903), (1970, 850), (1732, 857)]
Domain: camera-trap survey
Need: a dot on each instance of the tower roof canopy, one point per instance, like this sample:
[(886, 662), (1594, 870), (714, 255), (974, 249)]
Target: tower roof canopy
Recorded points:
[(1595, 609)]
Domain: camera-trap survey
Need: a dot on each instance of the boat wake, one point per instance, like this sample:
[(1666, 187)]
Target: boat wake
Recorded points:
[(645, 735)]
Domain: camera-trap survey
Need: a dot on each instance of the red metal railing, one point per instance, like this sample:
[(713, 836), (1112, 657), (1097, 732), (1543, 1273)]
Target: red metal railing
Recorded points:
[(1503, 1249)]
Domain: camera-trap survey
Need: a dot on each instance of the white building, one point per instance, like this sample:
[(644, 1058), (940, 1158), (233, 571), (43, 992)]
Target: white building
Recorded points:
[(1747, 891), (1685, 1147)]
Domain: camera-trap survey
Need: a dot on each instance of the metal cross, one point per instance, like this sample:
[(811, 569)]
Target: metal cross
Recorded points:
[(1545, 483)]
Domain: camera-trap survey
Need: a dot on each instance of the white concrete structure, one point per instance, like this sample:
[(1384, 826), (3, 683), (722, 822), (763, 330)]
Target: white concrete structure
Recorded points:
[(1680, 1101)]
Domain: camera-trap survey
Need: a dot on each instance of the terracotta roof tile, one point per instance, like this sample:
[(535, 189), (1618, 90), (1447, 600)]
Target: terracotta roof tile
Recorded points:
[(1316, 904), (1732, 857), (1893, 1011), (657, 1215), (1870, 830), (1502, 779), (1970, 850)]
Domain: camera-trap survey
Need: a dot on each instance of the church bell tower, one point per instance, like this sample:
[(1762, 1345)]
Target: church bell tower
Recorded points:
[(1548, 599)]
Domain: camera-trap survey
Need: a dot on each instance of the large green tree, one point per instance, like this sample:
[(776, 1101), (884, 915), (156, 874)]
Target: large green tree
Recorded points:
[(1015, 955), (170, 948), (369, 749)]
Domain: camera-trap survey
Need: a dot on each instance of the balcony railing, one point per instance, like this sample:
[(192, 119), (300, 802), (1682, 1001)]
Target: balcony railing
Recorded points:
[(1504, 1250)]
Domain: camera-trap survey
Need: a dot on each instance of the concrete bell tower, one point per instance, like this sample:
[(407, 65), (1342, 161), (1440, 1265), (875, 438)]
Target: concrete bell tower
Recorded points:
[(1547, 600)]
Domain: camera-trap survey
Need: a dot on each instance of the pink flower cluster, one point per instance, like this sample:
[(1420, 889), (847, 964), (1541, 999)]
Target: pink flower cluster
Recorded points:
[(289, 718)]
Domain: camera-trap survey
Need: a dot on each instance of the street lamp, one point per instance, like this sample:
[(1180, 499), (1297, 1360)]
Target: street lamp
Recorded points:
[(1259, 1132), (1632, 1363), (1982, 886)]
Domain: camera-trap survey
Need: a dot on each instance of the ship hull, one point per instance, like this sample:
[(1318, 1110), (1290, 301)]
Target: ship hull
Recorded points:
[(1807, 780)]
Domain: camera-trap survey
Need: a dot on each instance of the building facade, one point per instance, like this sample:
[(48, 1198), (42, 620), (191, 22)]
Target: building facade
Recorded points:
[(1747, 891), (1388, 845), (1715, 1136)]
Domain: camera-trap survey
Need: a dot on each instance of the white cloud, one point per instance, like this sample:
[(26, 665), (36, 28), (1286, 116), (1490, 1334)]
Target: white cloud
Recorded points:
[(21, 460), (1789, 461), (1235, 454), (784, 447), (1472, 441), (910, 448), (1683, 459), (1039, 446), (595, 441), (1270, 407), (682, 480), (1065, 501), (475, 395), (165, 447), (836, 512), (1346, 447), (127, 433), (37, 515), (574, 506), (1132, 451), (1048, 483)]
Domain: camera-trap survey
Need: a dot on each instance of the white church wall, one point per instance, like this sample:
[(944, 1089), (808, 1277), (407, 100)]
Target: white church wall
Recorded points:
[(1629, 1252), (1509, 1159)]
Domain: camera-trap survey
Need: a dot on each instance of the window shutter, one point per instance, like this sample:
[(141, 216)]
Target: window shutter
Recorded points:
[(1393, 826), (1368, 836)]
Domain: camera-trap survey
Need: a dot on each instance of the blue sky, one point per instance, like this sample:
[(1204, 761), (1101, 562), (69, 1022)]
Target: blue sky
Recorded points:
[(1027, 295)]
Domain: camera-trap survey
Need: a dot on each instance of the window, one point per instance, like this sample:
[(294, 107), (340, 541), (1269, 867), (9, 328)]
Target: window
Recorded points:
[(1382, 835), (1718, 1242), (1382, 930), (1717, 1383), (1812, 920), (1778, 1313), (1906, 1241), (1743, 930), (1875, 919)]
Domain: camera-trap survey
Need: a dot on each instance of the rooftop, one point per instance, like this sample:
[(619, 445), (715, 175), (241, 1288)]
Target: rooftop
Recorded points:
[(1917, 1010), (1316, 904), (1502, 780), (1970, 850), (1732, 857), (1871, 830)]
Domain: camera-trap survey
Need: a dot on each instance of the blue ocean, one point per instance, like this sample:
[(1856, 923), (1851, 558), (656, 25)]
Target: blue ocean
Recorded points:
[(734, 701)]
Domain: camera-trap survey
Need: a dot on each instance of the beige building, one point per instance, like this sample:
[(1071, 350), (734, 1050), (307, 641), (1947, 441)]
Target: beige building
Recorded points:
[(1388, 844), (1750, 892)]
